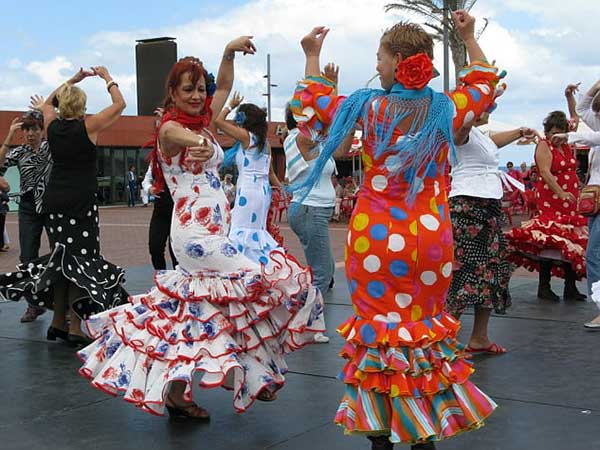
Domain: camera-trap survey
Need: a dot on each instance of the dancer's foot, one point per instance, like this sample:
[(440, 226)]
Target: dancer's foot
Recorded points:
[(423, 446), (484, 346), (380, 443), (186, 410), (266, 396), (545, 293), (320, 338)]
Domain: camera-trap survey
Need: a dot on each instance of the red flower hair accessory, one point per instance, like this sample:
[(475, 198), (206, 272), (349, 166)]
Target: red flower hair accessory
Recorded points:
[(415, 71)]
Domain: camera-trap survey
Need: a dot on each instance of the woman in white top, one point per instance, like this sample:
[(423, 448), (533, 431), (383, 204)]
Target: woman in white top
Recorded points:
[(592, 254), (482, 271)]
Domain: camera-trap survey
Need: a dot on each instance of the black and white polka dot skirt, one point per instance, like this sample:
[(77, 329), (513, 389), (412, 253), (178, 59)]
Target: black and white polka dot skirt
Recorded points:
[(75, 256)]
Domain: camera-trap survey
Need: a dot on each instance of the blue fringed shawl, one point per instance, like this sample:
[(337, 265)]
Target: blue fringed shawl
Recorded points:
[(430, 130)]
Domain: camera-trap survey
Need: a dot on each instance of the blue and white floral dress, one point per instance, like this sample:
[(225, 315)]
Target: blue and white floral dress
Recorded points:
[(218, 314), (253, 198)]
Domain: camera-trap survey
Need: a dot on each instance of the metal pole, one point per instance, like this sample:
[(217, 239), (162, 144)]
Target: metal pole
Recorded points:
[(269, 87), (445, 12)]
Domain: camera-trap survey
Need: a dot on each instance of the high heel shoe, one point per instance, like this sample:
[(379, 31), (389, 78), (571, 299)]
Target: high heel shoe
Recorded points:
[(54, 333), (190, 411)]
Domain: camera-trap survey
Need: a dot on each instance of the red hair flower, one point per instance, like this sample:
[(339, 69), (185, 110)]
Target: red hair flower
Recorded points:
[(415, 71)]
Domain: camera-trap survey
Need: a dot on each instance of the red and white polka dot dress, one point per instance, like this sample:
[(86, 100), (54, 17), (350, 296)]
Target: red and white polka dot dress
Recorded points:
[(558, 225)]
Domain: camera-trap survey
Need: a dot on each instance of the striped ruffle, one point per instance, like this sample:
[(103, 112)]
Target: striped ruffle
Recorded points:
[(408, 380)]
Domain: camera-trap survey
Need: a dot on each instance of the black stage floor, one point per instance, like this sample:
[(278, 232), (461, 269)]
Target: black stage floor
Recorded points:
[(547, 386)]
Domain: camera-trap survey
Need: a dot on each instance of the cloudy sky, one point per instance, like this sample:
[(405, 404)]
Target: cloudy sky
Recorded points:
[(544, 45)]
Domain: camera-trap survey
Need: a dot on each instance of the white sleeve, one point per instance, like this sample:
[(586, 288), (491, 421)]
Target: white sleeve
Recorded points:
[(147, 182), (591, 138), (584, 109)]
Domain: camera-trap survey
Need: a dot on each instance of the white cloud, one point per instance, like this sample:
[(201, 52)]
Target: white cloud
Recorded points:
[(542, 45)]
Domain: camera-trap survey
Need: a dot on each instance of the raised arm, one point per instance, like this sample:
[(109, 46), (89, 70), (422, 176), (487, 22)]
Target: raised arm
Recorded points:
[(477, 89), (591, 138), (570, 91), (312, 44), (584, 107), (109, 115), (230, 129), (14, 126), (225, 76)]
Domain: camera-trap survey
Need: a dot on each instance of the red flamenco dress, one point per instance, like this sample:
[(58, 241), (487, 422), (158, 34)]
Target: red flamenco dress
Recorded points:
[(557, 232), (406, 375)]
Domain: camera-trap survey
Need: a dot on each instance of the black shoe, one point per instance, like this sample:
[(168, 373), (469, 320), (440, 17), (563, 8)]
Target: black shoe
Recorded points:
[(571, 293), (77, 340), (424, 446), (331, 283), (380, 443), (54, 333), (545, 293)]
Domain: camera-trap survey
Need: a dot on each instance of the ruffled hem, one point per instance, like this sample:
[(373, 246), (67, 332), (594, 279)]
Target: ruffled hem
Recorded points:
[(462, 407), (372, 333), (405, 371), (183, 326), (408, 380), (100, 279), (537, 235)]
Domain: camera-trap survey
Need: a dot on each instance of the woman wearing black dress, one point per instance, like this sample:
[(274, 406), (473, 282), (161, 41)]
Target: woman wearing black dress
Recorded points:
[(74, 276)]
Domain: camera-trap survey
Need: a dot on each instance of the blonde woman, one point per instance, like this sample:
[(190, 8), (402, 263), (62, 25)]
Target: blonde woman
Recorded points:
[(74, 275)]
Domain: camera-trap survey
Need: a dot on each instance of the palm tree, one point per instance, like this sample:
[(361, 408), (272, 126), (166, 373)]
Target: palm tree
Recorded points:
[(433, 12)]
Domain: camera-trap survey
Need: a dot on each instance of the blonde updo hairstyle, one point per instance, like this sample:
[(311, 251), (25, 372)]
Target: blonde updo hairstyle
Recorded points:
[(408, 39), (71, 102)]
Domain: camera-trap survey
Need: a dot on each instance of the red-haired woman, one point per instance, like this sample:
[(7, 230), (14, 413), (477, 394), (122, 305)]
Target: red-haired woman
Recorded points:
[(406, 377), (218, 313)]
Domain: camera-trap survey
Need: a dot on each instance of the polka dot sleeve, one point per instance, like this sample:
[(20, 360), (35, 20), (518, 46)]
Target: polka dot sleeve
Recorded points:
[(476, 92)]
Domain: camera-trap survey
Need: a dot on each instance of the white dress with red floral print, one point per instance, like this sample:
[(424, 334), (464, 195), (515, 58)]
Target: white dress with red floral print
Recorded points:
[(218, 314)]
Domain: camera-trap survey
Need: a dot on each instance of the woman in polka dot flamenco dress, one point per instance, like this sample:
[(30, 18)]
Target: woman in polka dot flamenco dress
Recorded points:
[(407, 380), (555, 241), (252, 157), (218, 315), (74, 277)]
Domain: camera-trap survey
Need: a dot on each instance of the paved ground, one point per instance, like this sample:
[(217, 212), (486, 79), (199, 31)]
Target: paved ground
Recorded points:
[(547, 386)]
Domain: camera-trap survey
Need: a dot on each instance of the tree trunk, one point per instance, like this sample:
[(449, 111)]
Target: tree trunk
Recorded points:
[(459, 54)]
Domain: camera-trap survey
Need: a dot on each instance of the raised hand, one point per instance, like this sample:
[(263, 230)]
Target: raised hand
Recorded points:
[(236, 100), (571, 89), (102, 72), (36, 102), (332, 72), (464, 24), (313, 41), (15, 125), (243, 44), (80, 75)]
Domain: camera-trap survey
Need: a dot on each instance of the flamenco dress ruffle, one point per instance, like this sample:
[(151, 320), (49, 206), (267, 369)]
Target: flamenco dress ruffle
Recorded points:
[(75, 258), (408, 380), (568, 236), (228, 329)]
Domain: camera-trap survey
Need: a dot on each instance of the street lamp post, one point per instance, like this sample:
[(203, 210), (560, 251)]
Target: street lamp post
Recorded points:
[(269, 86)]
